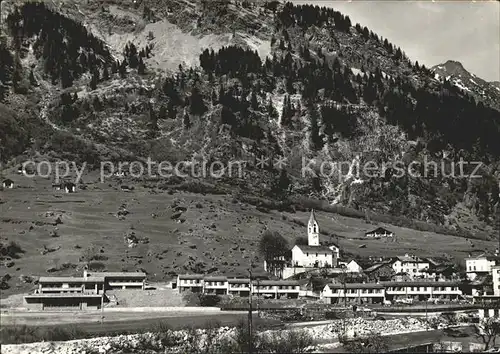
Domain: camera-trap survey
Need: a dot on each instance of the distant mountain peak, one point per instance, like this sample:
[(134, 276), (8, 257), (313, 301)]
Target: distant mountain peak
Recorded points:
[(453, 67), (454, 71)]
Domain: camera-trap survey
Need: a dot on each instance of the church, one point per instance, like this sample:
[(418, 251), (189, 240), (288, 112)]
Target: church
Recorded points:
[(313, 254)]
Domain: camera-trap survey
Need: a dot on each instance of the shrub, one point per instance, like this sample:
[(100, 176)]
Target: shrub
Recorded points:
[(29, 334), (165, 335), (371, 343), (287, 342), (192, 299), (209, 300)]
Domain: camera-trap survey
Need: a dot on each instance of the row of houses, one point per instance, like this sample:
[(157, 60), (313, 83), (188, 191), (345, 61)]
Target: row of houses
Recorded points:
[(331, 293), (87, 292), (372, 293), (221, 285)]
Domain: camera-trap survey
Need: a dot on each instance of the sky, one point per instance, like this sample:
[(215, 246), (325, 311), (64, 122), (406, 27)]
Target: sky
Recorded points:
[(433, 32)]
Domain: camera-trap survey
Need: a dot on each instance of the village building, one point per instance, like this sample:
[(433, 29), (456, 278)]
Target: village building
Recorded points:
[(222, 285), (69, 187), (441, 272), (64, 301), (350, 266), (239, 287), (495, 277), (276, 289), (190, 282), (480, 265), (215, 285), (62, 285), (67, 293), (313, 254), (422, 290), (414, 267), (364, 293), (361, 293), (119, 280), (379, 232), (379, 272), (480, 286), (8, 183)]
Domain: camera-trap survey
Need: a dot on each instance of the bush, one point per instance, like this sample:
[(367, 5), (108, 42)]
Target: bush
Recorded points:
[(371, 343), (209, 300), (29, 334), (287, 342), (165, 335), (12, 250), (297, 341)]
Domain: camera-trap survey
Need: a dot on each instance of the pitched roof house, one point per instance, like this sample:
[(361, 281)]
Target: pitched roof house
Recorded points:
[(379, 232)]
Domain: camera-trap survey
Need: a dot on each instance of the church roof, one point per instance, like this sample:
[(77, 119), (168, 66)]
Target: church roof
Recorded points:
[(314, 249), (313, 216)]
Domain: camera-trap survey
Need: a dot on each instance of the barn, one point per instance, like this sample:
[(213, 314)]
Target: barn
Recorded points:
[(379, 232), (8, 183)]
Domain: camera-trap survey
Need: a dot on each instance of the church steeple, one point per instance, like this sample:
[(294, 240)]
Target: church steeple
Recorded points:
[(313, 230)]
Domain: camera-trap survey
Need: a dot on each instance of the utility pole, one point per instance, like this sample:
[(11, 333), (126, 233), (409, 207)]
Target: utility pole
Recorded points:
[(344, 279), (426, 321), (102, 307), (258, 298), (250, 344), (497, 212)]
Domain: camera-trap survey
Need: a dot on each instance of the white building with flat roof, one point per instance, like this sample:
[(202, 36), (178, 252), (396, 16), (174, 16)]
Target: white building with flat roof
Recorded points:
[(120, 280)]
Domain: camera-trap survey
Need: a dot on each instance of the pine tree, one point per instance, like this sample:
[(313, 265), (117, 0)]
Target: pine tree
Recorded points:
[(253, 101), (171, 110), (162, 113), (17, 73), (141, 68), (123, 69), (271, 110), (32, 79), (281, 185), (94, 80), (186, 121), (105, 73), (287, 112), (316, 140), (196, 104), (153, 118)]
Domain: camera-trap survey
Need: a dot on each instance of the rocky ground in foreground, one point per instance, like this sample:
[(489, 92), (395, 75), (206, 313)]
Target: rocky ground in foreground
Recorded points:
[(180, 341)]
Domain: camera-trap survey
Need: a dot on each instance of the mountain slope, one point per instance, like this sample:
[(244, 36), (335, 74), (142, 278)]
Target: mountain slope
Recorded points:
[(233, 81)]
